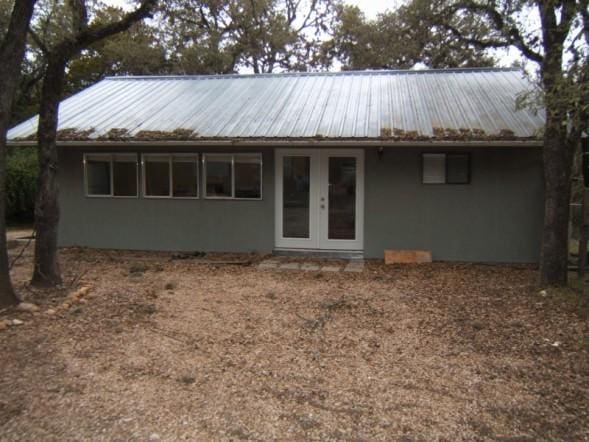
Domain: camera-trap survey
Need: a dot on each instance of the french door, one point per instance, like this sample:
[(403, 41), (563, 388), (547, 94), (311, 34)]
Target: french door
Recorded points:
[(320, 199)]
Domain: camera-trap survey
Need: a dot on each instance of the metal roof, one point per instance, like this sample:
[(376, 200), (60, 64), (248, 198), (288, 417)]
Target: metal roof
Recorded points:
[(425, 104)]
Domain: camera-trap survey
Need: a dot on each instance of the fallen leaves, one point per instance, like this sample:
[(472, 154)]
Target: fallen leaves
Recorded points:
[(199, 351)]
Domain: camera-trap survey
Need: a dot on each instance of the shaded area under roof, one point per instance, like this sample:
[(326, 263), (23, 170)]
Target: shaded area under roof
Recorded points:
[(405, 105)]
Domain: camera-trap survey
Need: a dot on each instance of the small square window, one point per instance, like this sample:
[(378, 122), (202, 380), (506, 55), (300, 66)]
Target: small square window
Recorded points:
[(441, 168)]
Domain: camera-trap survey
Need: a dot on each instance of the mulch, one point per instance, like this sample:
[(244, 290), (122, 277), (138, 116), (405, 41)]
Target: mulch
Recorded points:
[(174, 348)]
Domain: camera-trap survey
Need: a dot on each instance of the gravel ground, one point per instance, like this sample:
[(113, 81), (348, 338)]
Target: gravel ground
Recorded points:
[(169, 349)]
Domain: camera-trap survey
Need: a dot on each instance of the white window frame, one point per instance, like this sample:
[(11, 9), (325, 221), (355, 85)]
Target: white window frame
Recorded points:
[(233, 157), (171, 157), (111, 157)]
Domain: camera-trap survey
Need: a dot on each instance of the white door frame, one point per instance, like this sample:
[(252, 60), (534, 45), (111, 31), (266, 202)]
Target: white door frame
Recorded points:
[(319, 188), (341, 244), (297, 243)]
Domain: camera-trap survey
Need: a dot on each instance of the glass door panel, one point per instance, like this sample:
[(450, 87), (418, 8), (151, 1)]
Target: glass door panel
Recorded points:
[(342, 198), (296, 197)]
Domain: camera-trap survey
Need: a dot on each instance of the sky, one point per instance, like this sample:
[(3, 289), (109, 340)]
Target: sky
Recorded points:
[(372, 7)]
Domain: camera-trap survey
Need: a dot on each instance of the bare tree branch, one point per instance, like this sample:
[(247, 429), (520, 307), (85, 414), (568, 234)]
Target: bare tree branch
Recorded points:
[(510, 34), (38, 41), (79, 13), (95, 33)]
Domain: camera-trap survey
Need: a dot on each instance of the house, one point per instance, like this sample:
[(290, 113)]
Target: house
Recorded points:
[(356, 162)]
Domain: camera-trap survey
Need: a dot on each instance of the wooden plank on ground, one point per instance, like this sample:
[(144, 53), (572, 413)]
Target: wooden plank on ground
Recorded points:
[(407, 256)]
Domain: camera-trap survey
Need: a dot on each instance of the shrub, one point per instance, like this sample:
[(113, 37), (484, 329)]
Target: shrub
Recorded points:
[(21, 184)]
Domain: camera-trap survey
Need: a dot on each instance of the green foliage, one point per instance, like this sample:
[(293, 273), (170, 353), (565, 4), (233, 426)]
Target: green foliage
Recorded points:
[(21, 184), (133, 52), (221, 36), (400, 39), (554, 36), (5, 10), (138, 51)]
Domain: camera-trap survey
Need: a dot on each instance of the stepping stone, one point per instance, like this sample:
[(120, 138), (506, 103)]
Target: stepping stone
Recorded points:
[(266, 265), (290, 266), (310, 266), (354, 266), (330, 268)]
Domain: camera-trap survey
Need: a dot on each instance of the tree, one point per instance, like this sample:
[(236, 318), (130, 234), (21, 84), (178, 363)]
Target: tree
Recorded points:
[(219, 36), (21, 184), (399, 39), (136, 51), (558, 44), (81, 34), (12, 48)]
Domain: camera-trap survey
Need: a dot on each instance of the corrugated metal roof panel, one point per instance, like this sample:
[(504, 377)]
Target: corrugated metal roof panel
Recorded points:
[(366, 104)]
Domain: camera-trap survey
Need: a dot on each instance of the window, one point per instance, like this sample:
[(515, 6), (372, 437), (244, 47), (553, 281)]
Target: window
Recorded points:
[(98, 175), (124, 175), (233, 176), (184, 177), (441, 168), (218, 170), (170, 175), (248, 177), (457, 169), (156, 175), (111, 175)]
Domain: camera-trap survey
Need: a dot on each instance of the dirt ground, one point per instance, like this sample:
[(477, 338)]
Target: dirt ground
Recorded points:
[(172, 349)]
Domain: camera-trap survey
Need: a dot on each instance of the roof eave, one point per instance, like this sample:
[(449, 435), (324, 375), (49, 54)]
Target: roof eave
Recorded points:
[(290, 143)]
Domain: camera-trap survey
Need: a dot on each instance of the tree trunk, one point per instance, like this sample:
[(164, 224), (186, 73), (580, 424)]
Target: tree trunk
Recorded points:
[(558, 162), (46, 272), (558, 154), (7, 294), (12, 49)]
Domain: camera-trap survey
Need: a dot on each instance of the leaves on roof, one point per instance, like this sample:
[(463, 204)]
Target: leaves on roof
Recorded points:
[(73, 134), (175, 135), (447, 134), (115, 134), (386, 133)]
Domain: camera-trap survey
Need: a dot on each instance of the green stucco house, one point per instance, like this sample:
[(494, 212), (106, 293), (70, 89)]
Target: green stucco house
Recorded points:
[(350, 162)]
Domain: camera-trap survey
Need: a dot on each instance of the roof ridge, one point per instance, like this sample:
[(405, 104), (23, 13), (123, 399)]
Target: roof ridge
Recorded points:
[(304, 74)]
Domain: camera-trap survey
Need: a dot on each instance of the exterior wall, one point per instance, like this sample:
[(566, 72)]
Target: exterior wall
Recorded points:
[(496, 218), (163, 224)]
